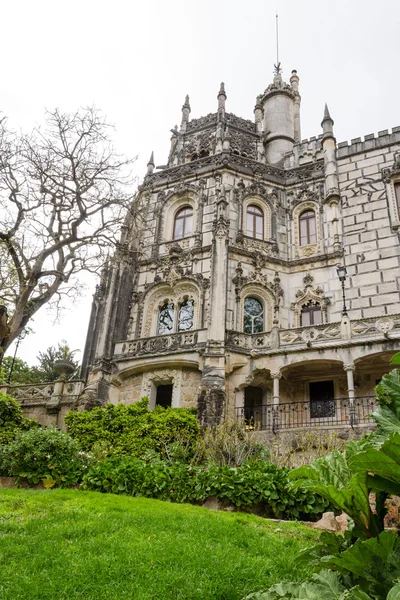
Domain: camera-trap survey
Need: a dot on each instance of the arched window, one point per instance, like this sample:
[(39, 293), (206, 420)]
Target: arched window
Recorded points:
[(165, 318), (183, 224), (253, 316), (311, 315), (186, 315), (308, 229), (255, 222)]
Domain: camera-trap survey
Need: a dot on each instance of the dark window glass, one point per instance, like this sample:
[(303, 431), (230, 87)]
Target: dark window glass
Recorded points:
[(322, 403), (311, 315), (186, 315), (252, 405), (164, 396), (308, 231), (255, 222), (253, 316), (165, 319), (183, 223)]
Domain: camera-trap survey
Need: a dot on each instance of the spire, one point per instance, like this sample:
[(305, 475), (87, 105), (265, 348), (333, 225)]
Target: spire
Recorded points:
[(185, 113), (327, 122), (221, 102), (150, 164)]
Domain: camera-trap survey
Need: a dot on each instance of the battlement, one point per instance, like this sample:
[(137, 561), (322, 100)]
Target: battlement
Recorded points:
[(370, 142)]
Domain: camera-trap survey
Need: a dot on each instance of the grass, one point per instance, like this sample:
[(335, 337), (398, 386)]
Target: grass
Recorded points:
[(61, 544)]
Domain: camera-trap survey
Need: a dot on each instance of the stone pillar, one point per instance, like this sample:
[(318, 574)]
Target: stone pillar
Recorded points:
[(211, 400), (350, 368), (275, 399)]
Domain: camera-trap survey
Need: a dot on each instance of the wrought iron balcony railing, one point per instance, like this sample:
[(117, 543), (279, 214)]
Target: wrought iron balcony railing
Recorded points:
[(316, 413)]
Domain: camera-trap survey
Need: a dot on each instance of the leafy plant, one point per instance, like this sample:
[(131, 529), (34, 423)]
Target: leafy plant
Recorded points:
[(258, 484), (12, 420), (44, 454), (133, 429)]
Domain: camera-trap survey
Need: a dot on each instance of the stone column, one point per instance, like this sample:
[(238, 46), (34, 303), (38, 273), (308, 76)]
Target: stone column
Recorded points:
[(350, 368), (275, 399)]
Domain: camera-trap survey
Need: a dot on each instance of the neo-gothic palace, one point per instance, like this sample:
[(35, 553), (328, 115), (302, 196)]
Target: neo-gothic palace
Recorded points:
[(225, 293)]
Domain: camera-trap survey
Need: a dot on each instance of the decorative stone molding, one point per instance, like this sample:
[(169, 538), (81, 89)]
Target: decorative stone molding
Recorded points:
[(305, 193), (309, 295), (310, 249), (184, 340)]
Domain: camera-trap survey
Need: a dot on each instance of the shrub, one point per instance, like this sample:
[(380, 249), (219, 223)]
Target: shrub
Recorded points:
[(229, 444), (258, 484), (44, 454), (12, 419), (133, 429)]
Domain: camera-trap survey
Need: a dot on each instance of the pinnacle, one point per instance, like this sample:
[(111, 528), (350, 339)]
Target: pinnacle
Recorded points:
[(326, 112), (222, 88), (151, 161)]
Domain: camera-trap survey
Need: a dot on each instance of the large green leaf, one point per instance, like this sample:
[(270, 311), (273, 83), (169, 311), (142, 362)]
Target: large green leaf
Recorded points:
[(394, 593), (332, 478), (325, 585), (373, 564), (383, 465), (388, 392)]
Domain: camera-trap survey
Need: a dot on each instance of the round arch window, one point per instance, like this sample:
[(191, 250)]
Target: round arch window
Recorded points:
[(183, 224), (253, 321)]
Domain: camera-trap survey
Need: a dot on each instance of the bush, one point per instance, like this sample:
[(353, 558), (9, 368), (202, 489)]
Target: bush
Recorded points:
[(44, 454), (229, 444), (12, 419), (133, 429), (258, 484)]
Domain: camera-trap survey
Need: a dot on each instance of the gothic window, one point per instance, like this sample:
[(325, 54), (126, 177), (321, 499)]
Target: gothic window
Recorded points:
[(308, 229), (253, 316), (165, 318), (183, 224), (397, 195), (311, 315), (255, 222), (186, 315)]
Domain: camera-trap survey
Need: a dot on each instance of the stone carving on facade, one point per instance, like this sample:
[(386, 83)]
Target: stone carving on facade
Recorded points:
[(243, 144), (305, 193), (209, 119), (159, 344), (240, 123), (310, 295), (389, 172), (199, 145)]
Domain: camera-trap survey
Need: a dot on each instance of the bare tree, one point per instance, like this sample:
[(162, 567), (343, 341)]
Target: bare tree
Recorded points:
[(64, 193)]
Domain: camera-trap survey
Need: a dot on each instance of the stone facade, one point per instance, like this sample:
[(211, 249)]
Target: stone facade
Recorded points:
[(271, 217)]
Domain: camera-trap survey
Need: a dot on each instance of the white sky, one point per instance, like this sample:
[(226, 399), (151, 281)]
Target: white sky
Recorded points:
[(137, 60)]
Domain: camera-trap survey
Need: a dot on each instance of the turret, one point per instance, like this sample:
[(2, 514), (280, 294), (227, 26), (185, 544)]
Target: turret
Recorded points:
[(331, 175), (281, 105)]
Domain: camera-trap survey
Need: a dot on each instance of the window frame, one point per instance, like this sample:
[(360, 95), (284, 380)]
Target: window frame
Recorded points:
[(306, 219), (252, 332), (310, 309), (179, 216), (258, 213)]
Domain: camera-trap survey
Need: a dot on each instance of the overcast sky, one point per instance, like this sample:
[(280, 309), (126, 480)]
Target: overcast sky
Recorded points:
[(136, 61)]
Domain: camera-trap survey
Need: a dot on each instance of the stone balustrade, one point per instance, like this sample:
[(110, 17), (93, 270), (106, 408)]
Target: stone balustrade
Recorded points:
[(327, 334), (174, 342)]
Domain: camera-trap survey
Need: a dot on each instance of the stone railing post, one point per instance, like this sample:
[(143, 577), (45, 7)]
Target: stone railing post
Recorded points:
[(350, 368), (275, 399)]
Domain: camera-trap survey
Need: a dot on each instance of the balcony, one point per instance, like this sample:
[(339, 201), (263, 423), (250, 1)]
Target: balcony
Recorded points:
[(316, 336), (173, 342), (321, 414)]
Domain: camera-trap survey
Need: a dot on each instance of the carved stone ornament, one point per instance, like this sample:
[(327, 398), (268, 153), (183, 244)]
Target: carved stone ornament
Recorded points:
[(305, 193), (309, 295), (389, 172)]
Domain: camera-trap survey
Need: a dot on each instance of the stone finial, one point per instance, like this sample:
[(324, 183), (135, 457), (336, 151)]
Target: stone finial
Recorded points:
[(185, 113), (150, 164), (294, 80), (327, 122), (221, 101)]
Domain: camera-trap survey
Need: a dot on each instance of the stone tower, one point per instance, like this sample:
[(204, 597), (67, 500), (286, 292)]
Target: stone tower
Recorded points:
[(224, 293)]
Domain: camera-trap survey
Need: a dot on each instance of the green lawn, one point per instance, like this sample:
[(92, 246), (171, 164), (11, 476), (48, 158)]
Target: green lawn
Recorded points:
[(71, 544)]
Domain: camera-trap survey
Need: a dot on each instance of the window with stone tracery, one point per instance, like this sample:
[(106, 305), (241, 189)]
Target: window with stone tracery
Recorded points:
[(311, 315), (183, 224), (308, 228), (186, 315), (253, 321), (254, 222), (165, 318)]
